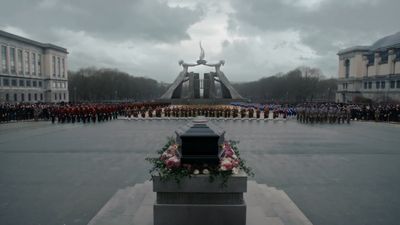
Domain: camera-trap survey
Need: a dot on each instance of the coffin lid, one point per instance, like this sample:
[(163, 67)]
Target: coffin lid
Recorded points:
[(200, 127)]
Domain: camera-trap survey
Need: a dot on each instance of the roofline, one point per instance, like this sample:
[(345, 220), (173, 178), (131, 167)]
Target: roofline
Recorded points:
[(32, 42), (354, 49)]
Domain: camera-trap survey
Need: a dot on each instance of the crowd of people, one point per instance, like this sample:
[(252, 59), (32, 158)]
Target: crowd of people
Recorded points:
[(99, 112)]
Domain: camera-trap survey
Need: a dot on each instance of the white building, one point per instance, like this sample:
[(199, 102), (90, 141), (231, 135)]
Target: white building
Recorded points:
[(371, 72), (31, 71)]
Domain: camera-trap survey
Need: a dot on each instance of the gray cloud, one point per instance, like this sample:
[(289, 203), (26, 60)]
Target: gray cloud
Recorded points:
[(256, 38), (331, 23), (112, 20)]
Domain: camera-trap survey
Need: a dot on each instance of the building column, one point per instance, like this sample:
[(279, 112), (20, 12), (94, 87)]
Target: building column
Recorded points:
[(365, 66), (8, 61), (377, 62), (391, 61)]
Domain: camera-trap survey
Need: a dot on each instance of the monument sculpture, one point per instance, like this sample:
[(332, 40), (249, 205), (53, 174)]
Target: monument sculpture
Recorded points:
[(214, 86)]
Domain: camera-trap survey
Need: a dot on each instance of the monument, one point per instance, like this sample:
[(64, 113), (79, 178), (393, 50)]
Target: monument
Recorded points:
[(188, 87), (195, 199)]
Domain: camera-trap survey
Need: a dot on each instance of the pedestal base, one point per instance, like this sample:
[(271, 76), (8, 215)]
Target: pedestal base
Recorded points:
[(197, 201), (177, 214)]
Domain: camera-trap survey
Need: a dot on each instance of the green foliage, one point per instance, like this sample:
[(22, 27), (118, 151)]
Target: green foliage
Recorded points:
[(303, 84), (177, 174), (91, 84)]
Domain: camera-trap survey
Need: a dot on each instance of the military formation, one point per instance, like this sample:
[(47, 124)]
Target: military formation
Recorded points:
[(323, 113), (93, 112)]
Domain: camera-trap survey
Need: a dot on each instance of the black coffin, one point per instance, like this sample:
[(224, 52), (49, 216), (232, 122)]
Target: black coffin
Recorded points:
[(200, 142)]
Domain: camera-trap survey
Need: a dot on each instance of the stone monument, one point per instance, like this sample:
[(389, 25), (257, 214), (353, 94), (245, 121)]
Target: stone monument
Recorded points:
[(201, 90), (196, 200)]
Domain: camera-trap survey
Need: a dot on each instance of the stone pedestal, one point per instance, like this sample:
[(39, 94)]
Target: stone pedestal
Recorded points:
[(197, 201)]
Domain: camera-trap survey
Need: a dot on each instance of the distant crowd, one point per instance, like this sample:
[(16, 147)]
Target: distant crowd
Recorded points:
[(99, 112)]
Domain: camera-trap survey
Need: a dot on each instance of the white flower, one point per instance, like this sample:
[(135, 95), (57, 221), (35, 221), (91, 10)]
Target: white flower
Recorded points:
[(196, 171), (205, 171), (235, 170)]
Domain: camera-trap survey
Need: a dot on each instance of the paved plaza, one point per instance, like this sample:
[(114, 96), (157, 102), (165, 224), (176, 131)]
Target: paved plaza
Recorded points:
[(65, 173)]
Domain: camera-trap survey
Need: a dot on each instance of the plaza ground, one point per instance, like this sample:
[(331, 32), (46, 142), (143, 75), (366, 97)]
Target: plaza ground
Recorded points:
[(64, 173)]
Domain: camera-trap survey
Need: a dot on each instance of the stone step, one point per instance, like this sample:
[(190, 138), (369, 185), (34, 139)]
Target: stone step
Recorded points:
[(255, 196), (144, 214), (265, 205), (255, 216), (284, 207), (121, 208)]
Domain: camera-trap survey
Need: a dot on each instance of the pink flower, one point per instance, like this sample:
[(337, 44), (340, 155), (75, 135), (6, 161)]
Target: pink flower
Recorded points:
[(226, 164), (166, 156), (229, 153), (172, 149), (172, 162)]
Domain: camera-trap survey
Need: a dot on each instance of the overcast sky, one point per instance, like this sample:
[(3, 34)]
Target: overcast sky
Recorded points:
[(256, 38)]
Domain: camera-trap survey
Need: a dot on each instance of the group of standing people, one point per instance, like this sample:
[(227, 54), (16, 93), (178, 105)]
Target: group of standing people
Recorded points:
[(323, 113), (99, 112)]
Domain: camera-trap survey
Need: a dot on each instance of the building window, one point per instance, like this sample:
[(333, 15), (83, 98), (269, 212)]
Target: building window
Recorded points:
[(35, 96), (397, 53), (29, 97), (384, 57), (34, 83), (4, 65), (14, 82), (64, 96), (28, 83), (54, 66), (40, 83), (33, 58), (371, 59), (39, 64), (20, 62), (22, 97), (392, 84), (7, 97), (63, 67), (398, 84), (59, 66), (15, 98), (370, 85), (27, 71), (12, 61), (41, 97), (347, 68), (21, 83), (365, 85), (383, 84), (377, 84), (6, 82), (55, 96)]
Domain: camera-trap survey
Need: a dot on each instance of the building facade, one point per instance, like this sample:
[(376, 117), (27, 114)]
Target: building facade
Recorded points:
[(371, 72), (31, 71)]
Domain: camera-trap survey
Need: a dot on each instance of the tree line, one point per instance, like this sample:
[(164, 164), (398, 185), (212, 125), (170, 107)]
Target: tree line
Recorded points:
[(299, 85), (99, 85)]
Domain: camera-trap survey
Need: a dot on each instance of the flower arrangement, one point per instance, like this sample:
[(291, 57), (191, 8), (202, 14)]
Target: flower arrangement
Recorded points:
[(168, 165)]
